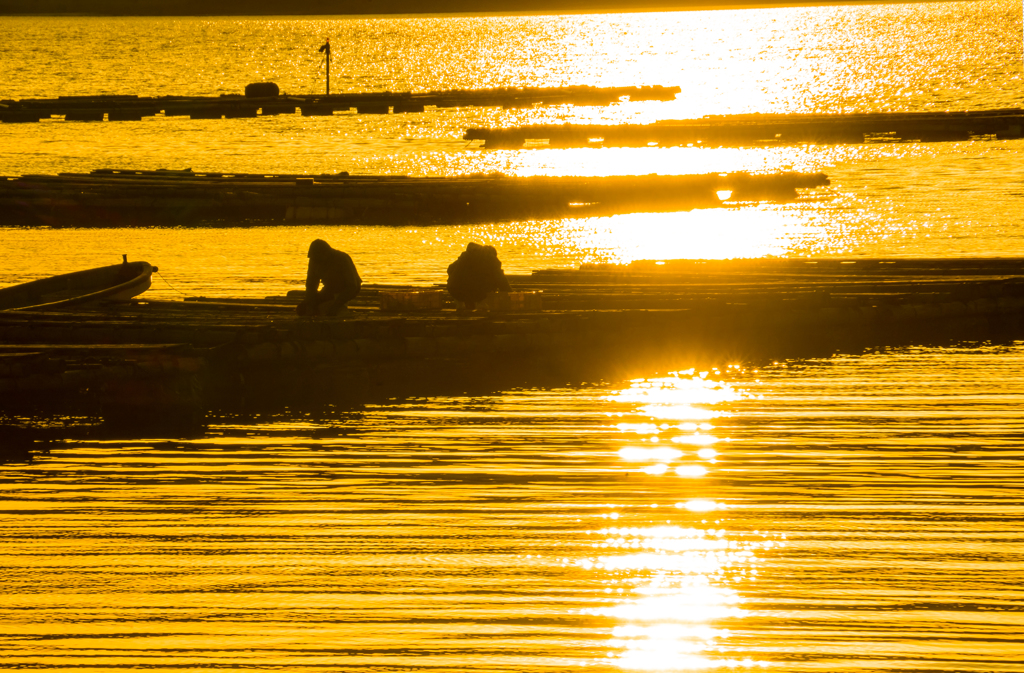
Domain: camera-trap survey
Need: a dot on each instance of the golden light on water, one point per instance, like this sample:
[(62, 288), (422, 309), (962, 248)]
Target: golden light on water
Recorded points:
[(683, 396), (634, 453), (387, 536), (642, 161), (716, 233), (677, 584), (676, 601)]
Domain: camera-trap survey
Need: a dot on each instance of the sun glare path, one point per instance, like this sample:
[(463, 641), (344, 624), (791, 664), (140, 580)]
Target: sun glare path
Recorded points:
[(675, 582)]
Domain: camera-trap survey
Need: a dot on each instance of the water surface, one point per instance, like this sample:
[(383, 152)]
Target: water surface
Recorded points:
[(846, 514), (854, 513), (930, 200)]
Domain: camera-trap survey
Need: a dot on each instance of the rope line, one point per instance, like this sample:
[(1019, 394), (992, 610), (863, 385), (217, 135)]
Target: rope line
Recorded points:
[(169, 285)]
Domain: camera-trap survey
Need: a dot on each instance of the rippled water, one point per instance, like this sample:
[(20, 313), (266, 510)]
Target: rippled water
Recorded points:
[(941, 199), (920, 200), (825, 59), (854, 513)]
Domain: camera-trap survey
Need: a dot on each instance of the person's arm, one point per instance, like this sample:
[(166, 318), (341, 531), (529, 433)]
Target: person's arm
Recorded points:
[(498, 276), (353, 274), (502, 282), (312, 279)]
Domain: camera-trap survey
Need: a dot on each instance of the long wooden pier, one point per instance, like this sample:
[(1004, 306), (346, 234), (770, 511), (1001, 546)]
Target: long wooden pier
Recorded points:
[(135, 108), (766, 130), (159, 361), (128, 198)]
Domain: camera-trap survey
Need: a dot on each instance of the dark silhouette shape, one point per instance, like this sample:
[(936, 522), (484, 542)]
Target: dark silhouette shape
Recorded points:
[(476, 274), (262, 90), (326, 51), (126, 272), (337, 272)]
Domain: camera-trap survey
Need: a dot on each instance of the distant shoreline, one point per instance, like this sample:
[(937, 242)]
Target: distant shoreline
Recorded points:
[(211, 8)]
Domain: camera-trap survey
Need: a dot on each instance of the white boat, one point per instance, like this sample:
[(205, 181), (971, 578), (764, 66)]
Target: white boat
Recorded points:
[(117, 282)]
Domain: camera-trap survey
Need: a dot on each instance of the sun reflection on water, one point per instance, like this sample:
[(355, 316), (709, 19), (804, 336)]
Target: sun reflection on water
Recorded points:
[(678, 591), (678, 584)]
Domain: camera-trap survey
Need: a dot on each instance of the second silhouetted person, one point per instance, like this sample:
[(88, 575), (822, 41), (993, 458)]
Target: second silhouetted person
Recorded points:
[(476, 274)]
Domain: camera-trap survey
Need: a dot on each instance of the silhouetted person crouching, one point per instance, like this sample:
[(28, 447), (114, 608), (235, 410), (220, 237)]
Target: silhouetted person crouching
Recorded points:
[(476, 274), (337, 272)]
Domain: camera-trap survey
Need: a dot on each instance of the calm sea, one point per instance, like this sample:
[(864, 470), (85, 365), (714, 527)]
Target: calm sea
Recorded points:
[(856, 513)]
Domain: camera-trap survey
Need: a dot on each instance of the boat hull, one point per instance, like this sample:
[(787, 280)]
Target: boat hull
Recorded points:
[(117, 282)]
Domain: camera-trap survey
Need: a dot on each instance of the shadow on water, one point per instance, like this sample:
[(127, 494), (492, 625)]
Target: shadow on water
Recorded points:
[(323, 405), (22, 443)]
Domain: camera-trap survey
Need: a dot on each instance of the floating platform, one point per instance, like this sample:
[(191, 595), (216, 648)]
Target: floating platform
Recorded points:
[(159, 360), (766, 130), (144, 198), (135, 108)]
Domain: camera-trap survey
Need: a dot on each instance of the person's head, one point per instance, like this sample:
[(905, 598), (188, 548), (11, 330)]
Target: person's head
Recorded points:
[(477, 249), (318, 248)]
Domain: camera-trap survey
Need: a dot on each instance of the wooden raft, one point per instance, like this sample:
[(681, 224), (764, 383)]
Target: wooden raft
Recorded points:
[(128, 198), (134, 358), (134, 108), (767, 129)]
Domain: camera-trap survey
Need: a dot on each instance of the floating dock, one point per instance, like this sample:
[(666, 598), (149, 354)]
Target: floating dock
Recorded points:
[(135, 108), (766, 130), (143, 198), (163, 361)]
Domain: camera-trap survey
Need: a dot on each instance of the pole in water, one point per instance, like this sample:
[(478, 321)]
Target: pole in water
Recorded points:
[(326, 51)]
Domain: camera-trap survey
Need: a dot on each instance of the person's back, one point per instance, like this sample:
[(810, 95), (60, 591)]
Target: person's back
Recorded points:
[(336, 270), (475, 274)]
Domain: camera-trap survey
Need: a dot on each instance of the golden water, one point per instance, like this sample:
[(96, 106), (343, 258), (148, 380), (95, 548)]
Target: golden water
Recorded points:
[(858, 513), (932, 200), (855, 513)]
